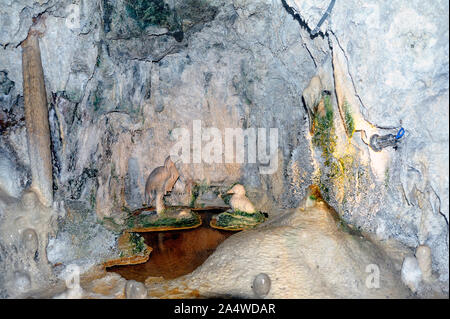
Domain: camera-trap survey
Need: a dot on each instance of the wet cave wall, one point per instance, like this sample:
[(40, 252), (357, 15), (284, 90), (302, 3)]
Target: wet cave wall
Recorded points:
[(126, 74)]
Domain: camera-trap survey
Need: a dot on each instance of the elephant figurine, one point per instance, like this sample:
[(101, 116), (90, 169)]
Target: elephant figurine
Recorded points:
[(160, 181)]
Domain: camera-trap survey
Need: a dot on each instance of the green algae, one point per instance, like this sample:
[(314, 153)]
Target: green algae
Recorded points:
[(324, 132), (349, 122)]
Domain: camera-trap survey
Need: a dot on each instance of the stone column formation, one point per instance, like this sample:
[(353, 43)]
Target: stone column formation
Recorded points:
[(36, 120)]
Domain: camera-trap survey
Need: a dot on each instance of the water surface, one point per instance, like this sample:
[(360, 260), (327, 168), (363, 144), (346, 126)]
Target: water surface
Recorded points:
[(176, 252)]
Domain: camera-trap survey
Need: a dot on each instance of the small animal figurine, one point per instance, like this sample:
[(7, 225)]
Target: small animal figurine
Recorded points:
[(239, 201), (160, 181)]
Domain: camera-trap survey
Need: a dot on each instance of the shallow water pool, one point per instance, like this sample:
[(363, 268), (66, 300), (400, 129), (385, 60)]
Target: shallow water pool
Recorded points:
[(176, 252)]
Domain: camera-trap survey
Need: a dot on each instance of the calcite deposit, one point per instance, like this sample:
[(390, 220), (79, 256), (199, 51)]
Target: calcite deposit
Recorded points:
[(94, 95)]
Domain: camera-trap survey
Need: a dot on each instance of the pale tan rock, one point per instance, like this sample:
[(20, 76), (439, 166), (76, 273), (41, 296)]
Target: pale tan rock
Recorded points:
[(423, 255), (112, 285), (36, 120), (135, 290), (411, 273), (27, 224)]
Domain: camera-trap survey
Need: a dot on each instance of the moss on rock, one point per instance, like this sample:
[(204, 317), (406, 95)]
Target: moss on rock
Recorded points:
[(152, 12), (239, 220), (170, 219)]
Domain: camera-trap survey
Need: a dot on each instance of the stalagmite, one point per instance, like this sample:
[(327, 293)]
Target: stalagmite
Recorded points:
[(423, 255), (135, 290), (30, 241), (261, 285), (411, 274), (22, 281), (36, 119)]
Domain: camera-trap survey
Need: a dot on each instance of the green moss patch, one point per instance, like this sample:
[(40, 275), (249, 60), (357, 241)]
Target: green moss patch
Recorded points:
[(155, 221), (137, 243), (132, 250), (152, 12), (239, 220), (97, 99), (197, 190)]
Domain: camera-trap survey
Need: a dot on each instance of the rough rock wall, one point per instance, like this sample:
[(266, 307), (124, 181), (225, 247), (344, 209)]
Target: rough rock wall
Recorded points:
[(390, 61), (119, 84)]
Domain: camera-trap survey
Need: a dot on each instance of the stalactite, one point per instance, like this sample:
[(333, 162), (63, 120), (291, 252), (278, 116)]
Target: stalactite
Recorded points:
[(36, 119)]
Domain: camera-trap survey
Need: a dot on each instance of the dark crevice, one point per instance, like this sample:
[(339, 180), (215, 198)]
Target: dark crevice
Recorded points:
[(55, 144), (302, 23)]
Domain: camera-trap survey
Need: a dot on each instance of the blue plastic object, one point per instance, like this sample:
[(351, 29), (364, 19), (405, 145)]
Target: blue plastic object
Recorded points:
[(400, 133)]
